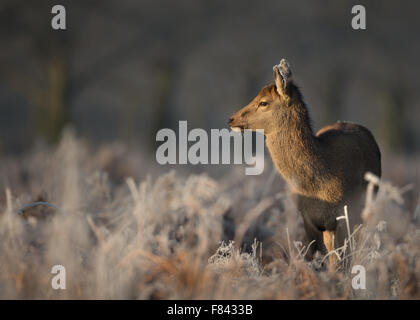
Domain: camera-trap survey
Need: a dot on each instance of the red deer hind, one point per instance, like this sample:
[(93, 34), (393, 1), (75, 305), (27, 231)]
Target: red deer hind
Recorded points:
[(324, 170)]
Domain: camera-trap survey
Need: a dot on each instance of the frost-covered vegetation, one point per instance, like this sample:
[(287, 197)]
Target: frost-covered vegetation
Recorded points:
[(174, 235)]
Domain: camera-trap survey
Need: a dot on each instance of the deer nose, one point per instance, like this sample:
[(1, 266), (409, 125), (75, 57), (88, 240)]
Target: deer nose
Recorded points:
[(230, 120)]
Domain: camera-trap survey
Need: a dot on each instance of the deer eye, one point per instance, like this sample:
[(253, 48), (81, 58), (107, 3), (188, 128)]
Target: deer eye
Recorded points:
[(263, 104)]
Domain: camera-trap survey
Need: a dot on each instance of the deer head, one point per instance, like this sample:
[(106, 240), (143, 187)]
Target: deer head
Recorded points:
[(270, 108)]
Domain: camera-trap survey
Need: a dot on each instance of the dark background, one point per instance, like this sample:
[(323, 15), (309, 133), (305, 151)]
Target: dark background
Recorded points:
[(124, 69)]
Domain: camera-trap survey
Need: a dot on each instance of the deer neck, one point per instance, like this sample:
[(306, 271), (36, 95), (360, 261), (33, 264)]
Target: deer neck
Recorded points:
[(296, 154)]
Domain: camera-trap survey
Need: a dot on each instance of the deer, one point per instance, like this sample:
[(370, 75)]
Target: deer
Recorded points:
[(324, 171)]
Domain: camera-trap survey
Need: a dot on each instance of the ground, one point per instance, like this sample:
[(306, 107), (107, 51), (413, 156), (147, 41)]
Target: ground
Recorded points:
[(126, 230)]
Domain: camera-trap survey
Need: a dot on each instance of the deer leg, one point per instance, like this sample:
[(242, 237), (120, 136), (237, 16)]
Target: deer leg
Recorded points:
[(313, 233), (328, 237)]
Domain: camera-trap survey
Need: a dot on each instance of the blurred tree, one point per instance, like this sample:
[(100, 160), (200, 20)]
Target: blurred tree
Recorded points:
[(334, 96), (30, 23), (53, 109), (164, 89), (53, 95), (393, 131)]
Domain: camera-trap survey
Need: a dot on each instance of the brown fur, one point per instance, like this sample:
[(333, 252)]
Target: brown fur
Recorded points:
[(325, 170)]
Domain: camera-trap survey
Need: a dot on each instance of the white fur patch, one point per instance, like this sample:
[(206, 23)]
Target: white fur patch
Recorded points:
[(236, 129)]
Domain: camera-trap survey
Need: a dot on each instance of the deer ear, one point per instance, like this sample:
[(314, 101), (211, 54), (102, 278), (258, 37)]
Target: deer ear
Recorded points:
[(282, 77)]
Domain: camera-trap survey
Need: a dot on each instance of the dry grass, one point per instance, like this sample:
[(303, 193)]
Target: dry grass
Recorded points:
[(171, 237)]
